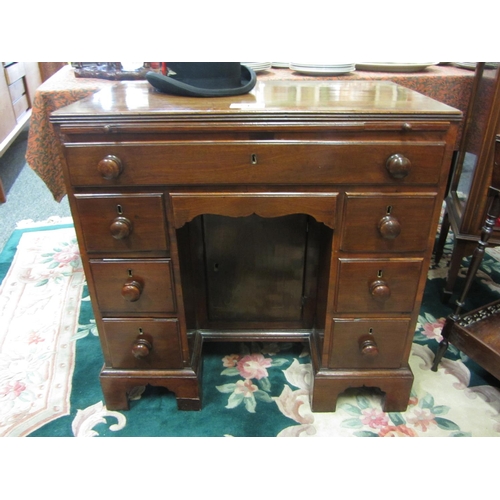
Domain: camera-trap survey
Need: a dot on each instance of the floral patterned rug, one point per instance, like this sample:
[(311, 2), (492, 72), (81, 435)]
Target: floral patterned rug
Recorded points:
[(50, 361)]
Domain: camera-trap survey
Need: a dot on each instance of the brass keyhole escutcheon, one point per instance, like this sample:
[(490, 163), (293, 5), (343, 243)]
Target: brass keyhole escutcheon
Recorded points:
[(253, 159)]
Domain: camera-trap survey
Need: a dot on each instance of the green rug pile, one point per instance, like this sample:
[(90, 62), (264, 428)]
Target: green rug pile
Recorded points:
[(50, 360)]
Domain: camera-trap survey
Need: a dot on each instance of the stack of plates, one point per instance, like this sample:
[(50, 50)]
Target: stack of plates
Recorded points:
[(466, 65), (472, 65), (258, 66), (394, 66), (323, 69)]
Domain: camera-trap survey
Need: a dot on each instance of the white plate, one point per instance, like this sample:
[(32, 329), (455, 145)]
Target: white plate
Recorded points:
[(280, 64), (258, 66), (324, 65), (306, 70), (472, 65), (393, 66)]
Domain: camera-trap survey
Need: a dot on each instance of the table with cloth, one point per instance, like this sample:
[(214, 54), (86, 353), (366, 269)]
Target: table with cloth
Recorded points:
[(448, 84)]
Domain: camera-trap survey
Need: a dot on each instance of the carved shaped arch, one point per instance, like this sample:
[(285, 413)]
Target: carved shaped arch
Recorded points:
[(186, 206)]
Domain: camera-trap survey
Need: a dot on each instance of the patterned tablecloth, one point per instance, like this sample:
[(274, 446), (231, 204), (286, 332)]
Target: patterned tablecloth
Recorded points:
[(447, 84)]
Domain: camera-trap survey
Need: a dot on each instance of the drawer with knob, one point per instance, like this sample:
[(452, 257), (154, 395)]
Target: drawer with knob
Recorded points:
[(385, 222), (254, 162), (368, 343), (134, 286), (372, 286), (123, 223), (144, 344)]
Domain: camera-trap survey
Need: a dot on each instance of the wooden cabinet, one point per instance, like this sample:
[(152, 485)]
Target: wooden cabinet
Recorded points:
[(303, 211), (8, 122), (18, 81)]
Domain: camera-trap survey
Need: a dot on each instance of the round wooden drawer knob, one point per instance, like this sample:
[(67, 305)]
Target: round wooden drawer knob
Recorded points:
[(110, 167), (132, 290), (389, 227), (141, 348), (380, 290), (398, 166), (368, 347), (120, 228)]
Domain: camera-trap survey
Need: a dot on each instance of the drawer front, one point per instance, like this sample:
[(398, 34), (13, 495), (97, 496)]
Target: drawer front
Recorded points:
[(253, 163), (378, 286), (387, 222), (368, 343), (14, 72), (123, 223), (16, 90), (144, 344), (133, 286), (20, 106)]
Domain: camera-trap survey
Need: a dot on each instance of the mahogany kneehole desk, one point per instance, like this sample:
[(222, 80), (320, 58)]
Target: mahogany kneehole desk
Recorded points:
[(302, 211)]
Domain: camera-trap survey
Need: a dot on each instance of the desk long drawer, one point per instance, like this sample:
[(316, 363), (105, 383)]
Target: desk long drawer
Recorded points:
[(255, 163)]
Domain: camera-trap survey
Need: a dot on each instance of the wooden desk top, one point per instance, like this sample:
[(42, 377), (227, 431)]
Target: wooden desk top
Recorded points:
[(275, 99)]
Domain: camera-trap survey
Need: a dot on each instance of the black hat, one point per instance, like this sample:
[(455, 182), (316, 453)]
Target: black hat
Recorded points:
[(204, 79)]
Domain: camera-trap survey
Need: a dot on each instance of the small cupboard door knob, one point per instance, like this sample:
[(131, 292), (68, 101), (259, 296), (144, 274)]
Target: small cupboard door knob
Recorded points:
[(379, 290), (110, 167), (120, 228), (398, 166), (132, 290), (141, 348), (368, 347), (389, 227)]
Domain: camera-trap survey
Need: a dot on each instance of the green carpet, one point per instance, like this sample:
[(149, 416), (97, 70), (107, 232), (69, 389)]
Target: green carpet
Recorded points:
[(461, 399)]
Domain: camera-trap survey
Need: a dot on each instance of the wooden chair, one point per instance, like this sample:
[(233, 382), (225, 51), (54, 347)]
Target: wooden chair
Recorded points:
[(477, 333)]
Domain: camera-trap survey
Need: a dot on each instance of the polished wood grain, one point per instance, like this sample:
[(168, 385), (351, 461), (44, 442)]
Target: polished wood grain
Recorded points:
[(302, 211), (347, 100)]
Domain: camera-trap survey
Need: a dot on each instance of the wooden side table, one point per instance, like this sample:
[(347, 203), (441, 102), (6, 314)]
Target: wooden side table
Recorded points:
[(476, 333)]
